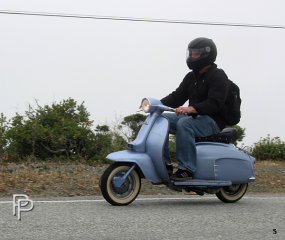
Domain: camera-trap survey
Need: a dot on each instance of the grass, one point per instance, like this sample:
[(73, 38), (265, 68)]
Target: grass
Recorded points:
[(270, 177), (49, 179)]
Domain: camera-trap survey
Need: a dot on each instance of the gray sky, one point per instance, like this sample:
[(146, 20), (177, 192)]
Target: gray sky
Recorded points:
[(112, 65)]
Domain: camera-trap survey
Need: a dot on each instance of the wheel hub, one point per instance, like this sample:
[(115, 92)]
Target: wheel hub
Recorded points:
[(123, 188), (233, 189), (120, 185)]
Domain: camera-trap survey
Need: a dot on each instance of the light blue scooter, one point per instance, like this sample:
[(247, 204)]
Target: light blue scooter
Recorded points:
[(222, 169)]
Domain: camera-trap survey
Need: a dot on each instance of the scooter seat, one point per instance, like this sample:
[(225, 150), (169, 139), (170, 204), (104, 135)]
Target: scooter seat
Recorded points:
[(227, 135)]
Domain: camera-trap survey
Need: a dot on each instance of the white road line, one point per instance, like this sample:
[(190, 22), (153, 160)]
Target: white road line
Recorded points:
[(103, 200), (190, 198), (3, 202)]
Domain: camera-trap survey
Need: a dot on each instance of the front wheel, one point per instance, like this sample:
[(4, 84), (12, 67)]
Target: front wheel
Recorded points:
[(124, 194), (232, 193)]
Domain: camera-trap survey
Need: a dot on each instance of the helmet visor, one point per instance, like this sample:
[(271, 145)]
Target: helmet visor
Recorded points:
[(196, 53)]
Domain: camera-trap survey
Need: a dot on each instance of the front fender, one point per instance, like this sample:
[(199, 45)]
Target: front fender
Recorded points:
[(143, 160)]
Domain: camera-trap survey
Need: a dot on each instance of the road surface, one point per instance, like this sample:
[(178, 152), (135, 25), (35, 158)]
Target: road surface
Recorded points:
[(148, 217)]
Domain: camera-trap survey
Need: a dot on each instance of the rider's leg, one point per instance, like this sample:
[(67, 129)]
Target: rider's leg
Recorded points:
[(173, 119), (186, 130)]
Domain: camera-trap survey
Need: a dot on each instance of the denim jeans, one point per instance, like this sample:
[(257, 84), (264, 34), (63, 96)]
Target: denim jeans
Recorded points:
[(186, 128)]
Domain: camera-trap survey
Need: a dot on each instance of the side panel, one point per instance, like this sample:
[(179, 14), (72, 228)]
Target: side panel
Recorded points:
[(236, 170), (155, 146), (205, 163), (218, 161), (141, 159)]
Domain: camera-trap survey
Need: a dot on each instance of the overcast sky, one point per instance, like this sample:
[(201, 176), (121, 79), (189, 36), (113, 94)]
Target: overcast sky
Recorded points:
[(112, 65)]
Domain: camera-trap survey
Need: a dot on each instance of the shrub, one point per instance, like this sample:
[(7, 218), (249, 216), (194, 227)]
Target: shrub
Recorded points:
[(60, 129), (3, 132), (104, 142), (133, 123), (269, 149), (240, 133), (172, 147)]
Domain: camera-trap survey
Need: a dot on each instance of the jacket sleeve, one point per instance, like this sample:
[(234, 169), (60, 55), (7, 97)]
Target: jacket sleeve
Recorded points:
[(218, 87), (178, 97)]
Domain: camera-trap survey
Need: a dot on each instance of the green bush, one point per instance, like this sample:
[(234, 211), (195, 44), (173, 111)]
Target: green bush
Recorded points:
[(240, 133), (269, 149), (172, 147), (3, 132), (104, 142), (60, 129), (133, 123)]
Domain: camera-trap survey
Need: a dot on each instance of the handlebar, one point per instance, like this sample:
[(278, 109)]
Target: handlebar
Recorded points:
[(169, 109)]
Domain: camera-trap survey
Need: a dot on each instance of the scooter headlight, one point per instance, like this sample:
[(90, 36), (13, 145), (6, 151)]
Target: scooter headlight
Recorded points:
[(145, 105)]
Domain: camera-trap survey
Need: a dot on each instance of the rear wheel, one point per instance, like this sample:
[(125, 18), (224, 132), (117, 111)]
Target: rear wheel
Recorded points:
[(127, 192), (232, 193)]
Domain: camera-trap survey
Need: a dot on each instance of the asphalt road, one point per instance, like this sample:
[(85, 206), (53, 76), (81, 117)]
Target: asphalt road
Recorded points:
[(149, 217)]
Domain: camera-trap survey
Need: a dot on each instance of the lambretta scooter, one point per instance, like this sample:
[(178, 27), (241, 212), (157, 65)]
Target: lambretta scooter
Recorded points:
[(222, 169)]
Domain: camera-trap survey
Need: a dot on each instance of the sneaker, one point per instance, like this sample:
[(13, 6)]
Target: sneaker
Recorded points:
[(182, 175), (169, 169)]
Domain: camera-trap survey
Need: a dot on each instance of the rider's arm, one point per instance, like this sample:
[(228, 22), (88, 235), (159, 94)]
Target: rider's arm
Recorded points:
[(179, 96)]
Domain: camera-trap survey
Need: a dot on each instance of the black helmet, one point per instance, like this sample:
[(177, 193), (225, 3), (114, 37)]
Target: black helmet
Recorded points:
[(205, 50)]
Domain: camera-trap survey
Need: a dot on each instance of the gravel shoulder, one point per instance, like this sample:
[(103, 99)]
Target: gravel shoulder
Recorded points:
[(68, 179)]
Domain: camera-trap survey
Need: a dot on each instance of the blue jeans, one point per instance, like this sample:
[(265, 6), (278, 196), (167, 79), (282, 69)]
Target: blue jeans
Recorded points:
[(186, 128)]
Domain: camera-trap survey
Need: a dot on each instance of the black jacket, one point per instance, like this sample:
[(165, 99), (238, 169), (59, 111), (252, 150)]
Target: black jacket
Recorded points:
[(206, 93)]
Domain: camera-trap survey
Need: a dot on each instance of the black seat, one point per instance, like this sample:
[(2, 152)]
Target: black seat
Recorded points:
[(227, 135)]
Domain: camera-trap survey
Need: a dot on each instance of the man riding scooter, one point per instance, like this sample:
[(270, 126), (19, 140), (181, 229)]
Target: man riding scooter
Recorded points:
[(209, 165), (206, 88)]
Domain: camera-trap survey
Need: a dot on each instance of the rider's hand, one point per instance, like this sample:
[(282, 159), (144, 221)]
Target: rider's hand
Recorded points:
[(185, 110)]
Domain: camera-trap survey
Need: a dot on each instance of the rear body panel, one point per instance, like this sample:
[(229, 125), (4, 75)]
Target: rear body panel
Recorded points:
[(225, 162)]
